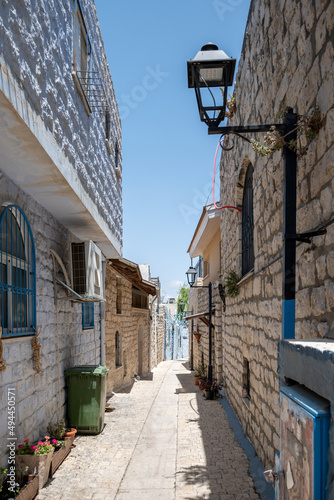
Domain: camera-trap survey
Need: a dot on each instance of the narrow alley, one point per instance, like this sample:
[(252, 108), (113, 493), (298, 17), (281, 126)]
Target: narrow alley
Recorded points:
[(162, 440)]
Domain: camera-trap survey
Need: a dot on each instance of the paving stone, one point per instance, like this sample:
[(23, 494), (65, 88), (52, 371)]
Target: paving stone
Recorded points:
[(184, 450)]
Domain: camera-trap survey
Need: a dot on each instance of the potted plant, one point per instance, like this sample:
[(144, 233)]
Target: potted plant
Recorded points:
[(19, 487), (210, 388), (199, 372), (70, 432), (197, 335), (62, 447), (36, 457)]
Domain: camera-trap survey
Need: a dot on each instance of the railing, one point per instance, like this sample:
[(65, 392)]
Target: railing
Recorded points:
[(93, 89)]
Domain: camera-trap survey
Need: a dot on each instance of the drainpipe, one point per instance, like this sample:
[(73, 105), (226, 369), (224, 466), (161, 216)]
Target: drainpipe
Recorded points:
[(289, 229), (156, 336), (102, 320), (155, 333), (192, 342)]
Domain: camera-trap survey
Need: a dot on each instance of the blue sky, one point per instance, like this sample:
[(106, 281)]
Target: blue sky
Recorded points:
[(167, 153)]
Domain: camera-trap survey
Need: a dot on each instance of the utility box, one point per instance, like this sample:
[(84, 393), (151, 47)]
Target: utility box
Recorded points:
[(305, 419), (86, 398)]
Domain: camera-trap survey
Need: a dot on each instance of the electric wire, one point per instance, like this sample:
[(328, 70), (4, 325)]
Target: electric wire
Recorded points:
[(213, 184)]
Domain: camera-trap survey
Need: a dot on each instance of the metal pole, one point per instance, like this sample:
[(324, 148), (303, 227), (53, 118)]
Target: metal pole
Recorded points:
[(210, 332), (192, 343), (289, 229)]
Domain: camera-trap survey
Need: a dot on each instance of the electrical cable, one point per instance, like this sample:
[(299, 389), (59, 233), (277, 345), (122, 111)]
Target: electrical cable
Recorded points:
[(213, 185), (213, 97)]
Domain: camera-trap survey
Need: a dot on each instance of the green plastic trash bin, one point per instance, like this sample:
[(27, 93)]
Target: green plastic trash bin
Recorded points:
[(86, 398)]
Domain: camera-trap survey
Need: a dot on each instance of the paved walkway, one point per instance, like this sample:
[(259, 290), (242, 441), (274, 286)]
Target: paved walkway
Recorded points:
[(163, 441)]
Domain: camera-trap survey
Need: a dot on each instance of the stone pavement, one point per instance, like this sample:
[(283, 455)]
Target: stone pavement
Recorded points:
[(163, 441)]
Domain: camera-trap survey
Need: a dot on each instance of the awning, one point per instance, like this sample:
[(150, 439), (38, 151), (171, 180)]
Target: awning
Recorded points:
[(131, 271), (203, 316)]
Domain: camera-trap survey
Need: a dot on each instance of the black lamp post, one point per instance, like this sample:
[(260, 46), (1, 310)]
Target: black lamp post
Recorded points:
[(206, 70), (191, 275)]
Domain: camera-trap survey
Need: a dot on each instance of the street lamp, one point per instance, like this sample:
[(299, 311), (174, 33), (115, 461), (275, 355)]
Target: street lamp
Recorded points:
[(208, 70), (191, 274), (210, 67)]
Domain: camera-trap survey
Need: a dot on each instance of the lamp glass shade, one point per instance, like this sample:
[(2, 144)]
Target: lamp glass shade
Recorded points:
[(191, 275), (214, 67)]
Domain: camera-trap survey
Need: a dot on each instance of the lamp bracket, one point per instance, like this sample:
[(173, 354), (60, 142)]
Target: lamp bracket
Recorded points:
[(245, 129), (305, 237)]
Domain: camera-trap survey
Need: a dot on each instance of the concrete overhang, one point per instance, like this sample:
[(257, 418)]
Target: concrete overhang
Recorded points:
[(32, 159), (207, 228), (309, 362)]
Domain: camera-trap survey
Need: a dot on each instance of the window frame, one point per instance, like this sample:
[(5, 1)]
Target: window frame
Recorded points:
[(248, 257), (23, 291), (87, 310), (79, 21)]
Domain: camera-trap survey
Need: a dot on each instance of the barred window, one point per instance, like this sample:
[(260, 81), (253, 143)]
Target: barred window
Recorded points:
[(18, 274), (248, 224)]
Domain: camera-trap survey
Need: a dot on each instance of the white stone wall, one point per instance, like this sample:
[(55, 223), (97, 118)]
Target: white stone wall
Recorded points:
[(37, 395), (36, 44), (287, 56)]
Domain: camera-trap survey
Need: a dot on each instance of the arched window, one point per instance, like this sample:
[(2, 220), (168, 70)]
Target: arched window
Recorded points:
[(118, 350), (248, 223), (17, 274)]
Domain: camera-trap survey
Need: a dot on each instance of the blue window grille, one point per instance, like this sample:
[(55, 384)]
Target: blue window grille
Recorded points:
[(17, 274), (87, 315)]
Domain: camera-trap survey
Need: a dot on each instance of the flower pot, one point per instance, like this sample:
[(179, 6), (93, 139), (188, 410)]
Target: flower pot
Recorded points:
[(37, 464), (70, 433), (208, 394), (197, 336), (59, 456), (29, 490), (196, 380)]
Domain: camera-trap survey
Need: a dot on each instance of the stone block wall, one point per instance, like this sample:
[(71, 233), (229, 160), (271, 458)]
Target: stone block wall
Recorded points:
[(36, 53), (134, 327), (287, 57), (158, 332), (38, 397)]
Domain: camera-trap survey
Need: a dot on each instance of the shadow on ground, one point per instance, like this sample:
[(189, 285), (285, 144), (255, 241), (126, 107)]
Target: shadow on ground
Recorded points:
[(220, 441)]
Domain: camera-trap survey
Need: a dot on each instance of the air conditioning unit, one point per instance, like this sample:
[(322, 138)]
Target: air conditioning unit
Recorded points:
[(87, 270)]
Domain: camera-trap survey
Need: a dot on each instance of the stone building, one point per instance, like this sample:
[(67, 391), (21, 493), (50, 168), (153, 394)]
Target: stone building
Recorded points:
[(129, 327), (205, 244), (287, 57), (60, 184)]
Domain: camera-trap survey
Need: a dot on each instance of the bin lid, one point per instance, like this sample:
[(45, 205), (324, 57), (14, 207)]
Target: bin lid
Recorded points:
[(87, 370)]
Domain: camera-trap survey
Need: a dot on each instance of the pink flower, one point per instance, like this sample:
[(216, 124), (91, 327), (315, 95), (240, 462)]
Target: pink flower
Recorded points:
[(34, 447), (20, 446), (47, 438), (54, 441), (40, 442)]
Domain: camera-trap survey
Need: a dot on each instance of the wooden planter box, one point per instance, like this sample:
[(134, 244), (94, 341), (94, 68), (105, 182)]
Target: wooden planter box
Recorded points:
[(30, 490), (37, 464), (59, 456)]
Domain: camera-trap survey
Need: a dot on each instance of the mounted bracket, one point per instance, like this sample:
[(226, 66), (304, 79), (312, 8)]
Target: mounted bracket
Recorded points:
[(305, 237)]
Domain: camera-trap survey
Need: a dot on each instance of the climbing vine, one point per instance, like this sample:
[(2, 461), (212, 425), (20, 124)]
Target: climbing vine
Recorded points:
[(36, 347), (231, 284), (308, 127)]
